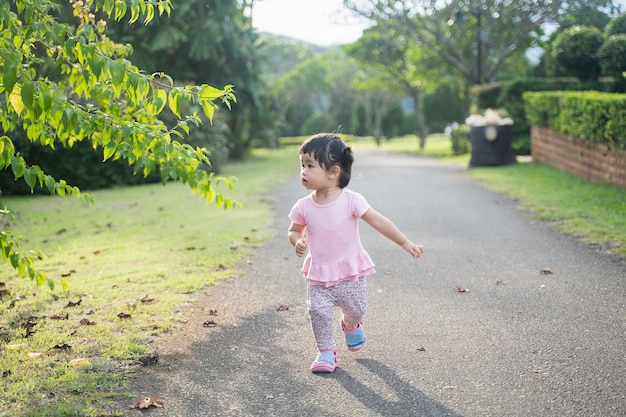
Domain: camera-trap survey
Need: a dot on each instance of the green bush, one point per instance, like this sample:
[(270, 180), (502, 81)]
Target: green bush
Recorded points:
[(575, 51), (612, 58), (591, 116), (460, 140), (616, 26)]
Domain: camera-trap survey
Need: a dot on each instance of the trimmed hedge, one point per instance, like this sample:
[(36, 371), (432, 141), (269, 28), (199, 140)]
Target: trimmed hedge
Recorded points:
[(591, 116), (507, 95)]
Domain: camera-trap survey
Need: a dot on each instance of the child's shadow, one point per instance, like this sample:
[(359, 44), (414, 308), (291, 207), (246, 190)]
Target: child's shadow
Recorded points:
[(410, 401)]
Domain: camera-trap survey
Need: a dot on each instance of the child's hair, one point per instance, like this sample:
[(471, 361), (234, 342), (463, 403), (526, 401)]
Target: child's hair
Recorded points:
[(328, 149)]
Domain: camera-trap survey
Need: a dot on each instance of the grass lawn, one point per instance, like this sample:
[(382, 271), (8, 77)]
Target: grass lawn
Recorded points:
[(131, 262), (134, 259)]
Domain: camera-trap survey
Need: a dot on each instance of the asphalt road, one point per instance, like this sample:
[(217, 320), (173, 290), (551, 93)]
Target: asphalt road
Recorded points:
[(517, 343)]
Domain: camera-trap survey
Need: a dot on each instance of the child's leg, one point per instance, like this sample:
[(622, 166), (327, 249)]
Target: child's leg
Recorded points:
[(321, 303), (352, 299)]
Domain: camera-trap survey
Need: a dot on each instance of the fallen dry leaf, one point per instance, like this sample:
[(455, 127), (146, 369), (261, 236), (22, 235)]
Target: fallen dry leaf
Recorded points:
[(124, 315), (209, 323), (213, 312), (149, 358), (87, 322), (461, 289), (57, 317), (501, 282), (74, 303), (79, 362), (145, 299), (147, 402), (420, 349), (17, 346), (61, 346), (545, 271), (282, 307)]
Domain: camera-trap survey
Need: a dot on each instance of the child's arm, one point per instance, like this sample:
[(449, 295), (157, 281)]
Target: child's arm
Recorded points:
[(385, 227), (295, 234)]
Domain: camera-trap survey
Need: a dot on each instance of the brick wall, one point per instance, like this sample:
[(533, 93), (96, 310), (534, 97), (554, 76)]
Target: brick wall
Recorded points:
[(597, 163)]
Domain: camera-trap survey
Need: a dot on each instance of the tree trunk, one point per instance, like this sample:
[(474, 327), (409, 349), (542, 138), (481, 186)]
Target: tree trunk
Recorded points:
[(422, 131)]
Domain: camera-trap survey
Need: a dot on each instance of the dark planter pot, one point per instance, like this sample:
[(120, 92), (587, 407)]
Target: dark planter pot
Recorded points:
[(491, 145)]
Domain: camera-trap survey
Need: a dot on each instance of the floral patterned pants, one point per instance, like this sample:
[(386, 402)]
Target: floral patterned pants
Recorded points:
[(350, 296)]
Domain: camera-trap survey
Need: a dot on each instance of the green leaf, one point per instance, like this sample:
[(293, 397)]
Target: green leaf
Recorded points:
[(209, 93), (109, 150), (40, 278), (118, 70), (30, 176), (27, 94), (174, 101), (9, 75), (15, 260), (15, 99), (160, 99), (209, 110), (50, 183), (18, 166)]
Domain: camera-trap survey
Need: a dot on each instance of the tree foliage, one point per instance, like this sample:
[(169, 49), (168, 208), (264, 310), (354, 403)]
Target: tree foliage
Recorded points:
[(409, 66), (576, 51), (207, 40), (612, 59), (505, 27), (99, 96), (616, 26), (320, 84)]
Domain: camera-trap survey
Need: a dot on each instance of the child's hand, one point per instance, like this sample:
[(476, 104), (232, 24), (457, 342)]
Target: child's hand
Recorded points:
[(413, 249), (301, 247)]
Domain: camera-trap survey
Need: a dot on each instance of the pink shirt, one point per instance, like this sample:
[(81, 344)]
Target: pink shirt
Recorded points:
[(335, 250)]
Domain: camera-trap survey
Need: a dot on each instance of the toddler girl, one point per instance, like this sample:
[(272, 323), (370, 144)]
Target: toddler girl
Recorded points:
[(326, 224)]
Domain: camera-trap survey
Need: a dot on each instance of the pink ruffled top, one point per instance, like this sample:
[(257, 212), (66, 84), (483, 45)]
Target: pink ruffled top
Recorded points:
[(335, 250)]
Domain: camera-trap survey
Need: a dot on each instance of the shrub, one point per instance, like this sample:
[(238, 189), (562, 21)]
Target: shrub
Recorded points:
[(616, 26), (575, 51), (612, 58), (591, 116), (460, 140)]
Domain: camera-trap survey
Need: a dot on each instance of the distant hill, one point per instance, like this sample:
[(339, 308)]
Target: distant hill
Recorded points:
[(281, 54)]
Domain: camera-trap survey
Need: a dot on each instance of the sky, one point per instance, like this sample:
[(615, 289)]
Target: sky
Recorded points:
[(320, 22)]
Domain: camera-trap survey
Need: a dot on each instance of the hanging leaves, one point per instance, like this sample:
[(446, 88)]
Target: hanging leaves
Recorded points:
[(100, 97)]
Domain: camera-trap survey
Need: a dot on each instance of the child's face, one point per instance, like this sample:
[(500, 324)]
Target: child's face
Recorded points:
[(312, 175)]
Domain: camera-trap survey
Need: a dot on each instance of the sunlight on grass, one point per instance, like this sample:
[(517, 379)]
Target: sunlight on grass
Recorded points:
[(436, 146), (130, 260)]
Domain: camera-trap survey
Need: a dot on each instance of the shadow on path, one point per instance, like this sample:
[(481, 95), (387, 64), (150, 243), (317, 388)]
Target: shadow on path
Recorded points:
[(408, 400)]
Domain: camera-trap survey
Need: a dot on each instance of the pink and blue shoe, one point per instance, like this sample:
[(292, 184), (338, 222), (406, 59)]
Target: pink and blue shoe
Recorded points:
[(354, 339), (326, 361)]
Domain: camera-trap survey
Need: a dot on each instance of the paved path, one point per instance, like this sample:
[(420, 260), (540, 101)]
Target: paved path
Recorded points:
[(518, 343)]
